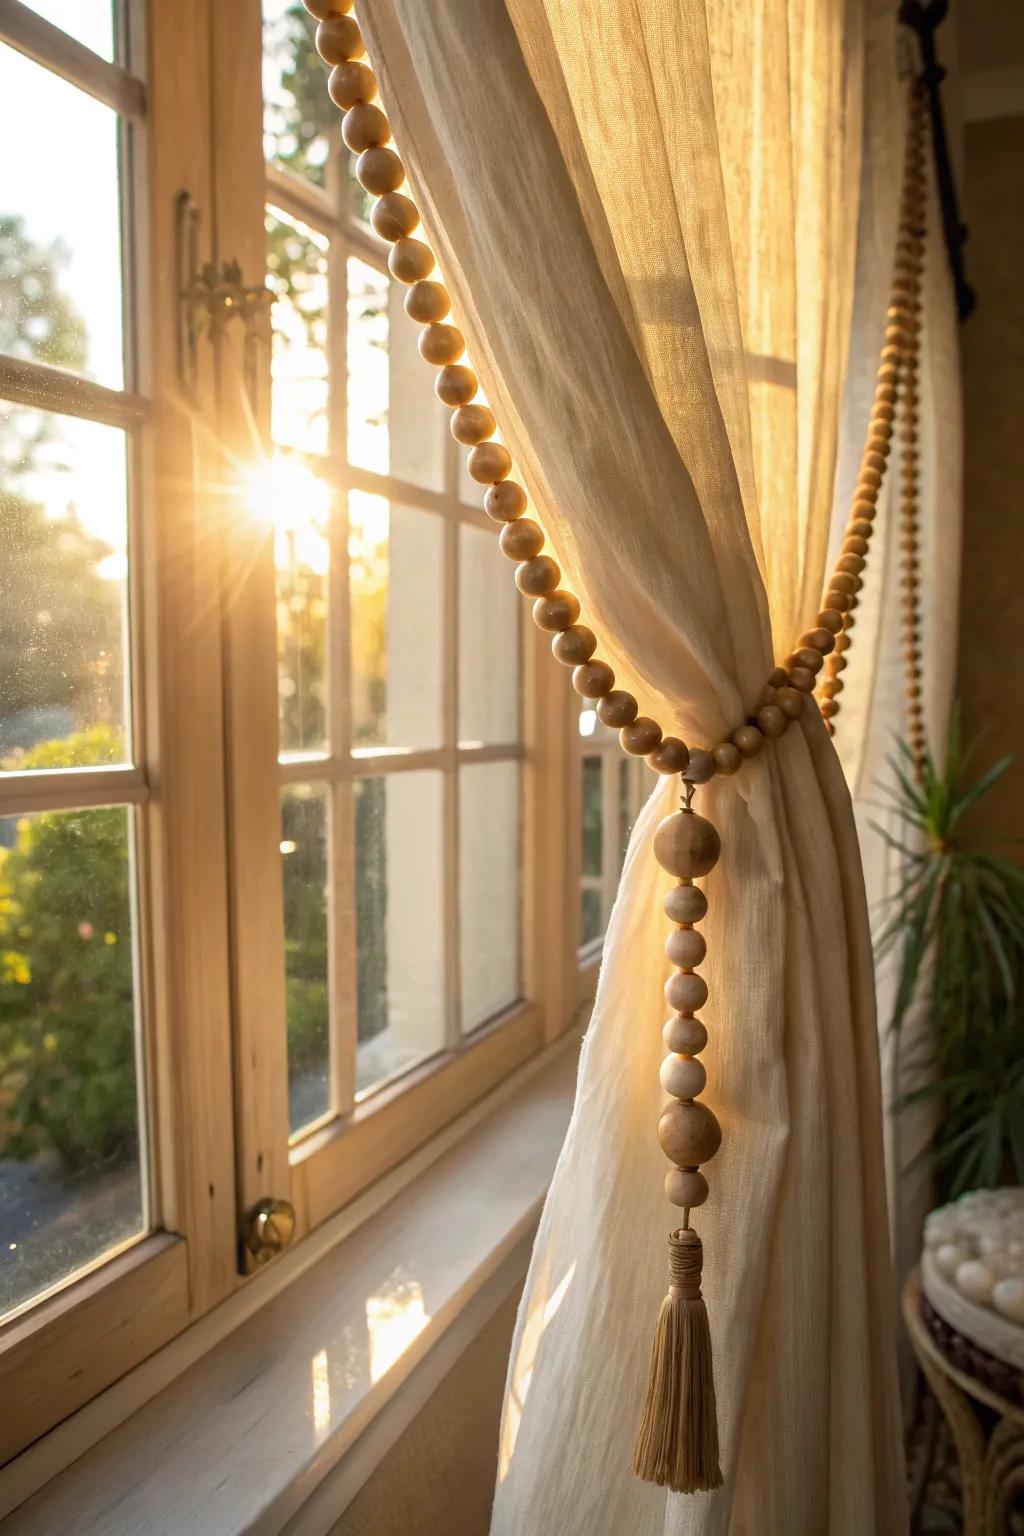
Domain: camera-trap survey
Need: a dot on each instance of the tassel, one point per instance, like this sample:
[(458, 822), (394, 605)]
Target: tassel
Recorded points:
[(678, 1442)]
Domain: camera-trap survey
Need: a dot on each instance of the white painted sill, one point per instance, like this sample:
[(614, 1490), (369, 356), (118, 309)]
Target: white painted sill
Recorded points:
[(276, 1426)]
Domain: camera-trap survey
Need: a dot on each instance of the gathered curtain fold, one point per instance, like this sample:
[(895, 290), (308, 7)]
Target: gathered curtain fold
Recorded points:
[(647, 216)]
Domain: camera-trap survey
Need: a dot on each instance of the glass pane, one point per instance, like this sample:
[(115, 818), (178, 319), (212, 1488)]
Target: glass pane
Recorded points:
[(396, 574), (71, 1184), (297, 273), (399, 825), (89, 21), (591, 915), (60, 225), (63, 591), (419, 422), (299, 507), (488, 641), (300, 121), (488, 889), (304, 820), (593, 829)]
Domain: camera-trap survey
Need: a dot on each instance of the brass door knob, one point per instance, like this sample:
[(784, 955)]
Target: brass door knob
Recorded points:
[(268, 1229)]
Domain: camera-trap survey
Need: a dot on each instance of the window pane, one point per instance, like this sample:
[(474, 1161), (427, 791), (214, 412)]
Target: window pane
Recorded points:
[(71, 1185), (300, 121), (304, 823), (297, 274), (300, 508), (63, 591), (89, 21), (399, 824), (60, 226), (488, 641), (488, 889), (591, 915), (419, 421), (593, 829), (396, 575)]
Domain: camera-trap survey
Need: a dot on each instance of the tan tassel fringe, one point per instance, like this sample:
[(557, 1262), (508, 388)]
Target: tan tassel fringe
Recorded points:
[(678, 1442)]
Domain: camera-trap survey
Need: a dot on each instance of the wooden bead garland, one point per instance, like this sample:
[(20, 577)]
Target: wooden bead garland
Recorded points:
[(678, 1442)]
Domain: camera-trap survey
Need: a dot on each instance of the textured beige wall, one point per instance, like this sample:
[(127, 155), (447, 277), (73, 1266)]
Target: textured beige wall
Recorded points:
[(992, 616), (439, 1479)]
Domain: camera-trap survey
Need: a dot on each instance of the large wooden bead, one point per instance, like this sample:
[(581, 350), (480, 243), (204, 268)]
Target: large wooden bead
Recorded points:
[(409, 260), (472, 424), (685, 904), (593, 679), (682, 1077), (394, 217), (440, 344), (379, 171), (574, 645), (748, 739), (505, 501), (684, 1035), (617, 709), (672, 756), (321, 9), (522, 539), (689, 1134), (831, 619), (686, 1187), (701, 767), (821, 640), (456, 384), (686, 992), (686, 844), (771, 721), (556, 611), (348, 85), (801, 679), (489, 462), (791, 702), (537, 577), (364, 126), (427, 302), (339, 39), (807, 657), (727, 757), (686, 947), (640, 738)]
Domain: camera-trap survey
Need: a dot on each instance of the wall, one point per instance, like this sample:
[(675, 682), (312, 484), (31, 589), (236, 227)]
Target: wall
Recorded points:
[(439, 1479)]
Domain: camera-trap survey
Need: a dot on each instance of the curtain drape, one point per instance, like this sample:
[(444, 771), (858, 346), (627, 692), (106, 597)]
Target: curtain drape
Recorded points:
[(647, 215)]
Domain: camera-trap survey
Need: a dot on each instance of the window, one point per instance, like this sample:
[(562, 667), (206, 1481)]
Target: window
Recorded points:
[(611, 789)]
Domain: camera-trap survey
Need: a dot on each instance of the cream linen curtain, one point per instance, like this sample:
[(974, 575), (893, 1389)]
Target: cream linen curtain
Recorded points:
[(647, 215)]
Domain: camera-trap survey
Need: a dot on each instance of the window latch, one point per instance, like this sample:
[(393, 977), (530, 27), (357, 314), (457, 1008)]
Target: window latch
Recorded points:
[(210, 297), (267, 1229)]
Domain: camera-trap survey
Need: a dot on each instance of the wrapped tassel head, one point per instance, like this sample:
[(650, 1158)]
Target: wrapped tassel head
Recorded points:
[(678, 1442)]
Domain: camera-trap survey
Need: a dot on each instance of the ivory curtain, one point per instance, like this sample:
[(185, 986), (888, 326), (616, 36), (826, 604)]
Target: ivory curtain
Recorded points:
[(647, 214)]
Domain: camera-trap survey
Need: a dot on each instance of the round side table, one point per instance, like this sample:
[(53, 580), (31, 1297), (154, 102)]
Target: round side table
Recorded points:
[(991, 1465)]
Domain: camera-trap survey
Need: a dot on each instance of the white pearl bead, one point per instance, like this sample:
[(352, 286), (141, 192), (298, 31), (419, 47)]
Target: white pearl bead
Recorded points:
[(1008, 1298), (973, 1279), (948, 1258)]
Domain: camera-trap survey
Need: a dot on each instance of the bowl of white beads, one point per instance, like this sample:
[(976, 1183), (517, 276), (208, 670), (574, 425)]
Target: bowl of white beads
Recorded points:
[(972, 1268)]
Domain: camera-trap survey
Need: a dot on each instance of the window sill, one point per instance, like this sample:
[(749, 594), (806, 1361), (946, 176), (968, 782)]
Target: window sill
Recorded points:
[(278, 1425)]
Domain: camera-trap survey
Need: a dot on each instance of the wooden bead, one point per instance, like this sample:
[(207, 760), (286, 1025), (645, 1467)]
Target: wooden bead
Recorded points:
[(593, 679), (801, 679), (350, 84), (574, 645), (488, 462), (828, 707), (727, 757), (472, 424), (854, 564), (771, 721), (394, 217), (776, 678), (379, 171), (842, 581), (321, 9), (617, 709), (640, 738), (686, 1187), (685, 904), (831, 686), (701, 767), (556, 611), (791, 702), (682, 1077), (831, 619), (441, 344), (427, 301), (672, 756), (838, 600), (505, 501), (842, 643), (689, 1134), (521, 540), (409, 260), (685, 947), (684, 1035), (853, 544), (686, 992), (821, 640), (748, 739), (339, 39), (807, 657), (687, 845), (364, 126), (538, 577)]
